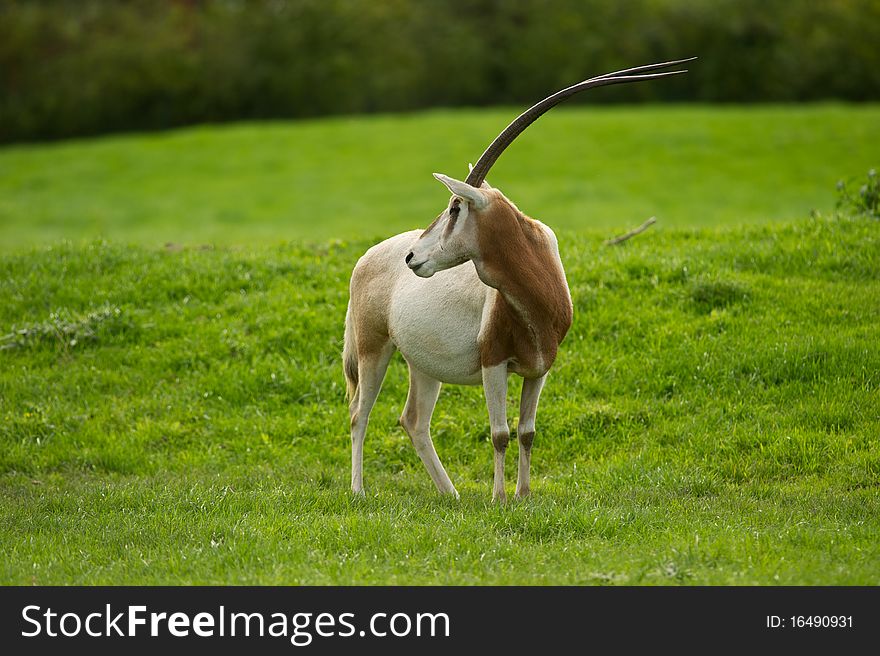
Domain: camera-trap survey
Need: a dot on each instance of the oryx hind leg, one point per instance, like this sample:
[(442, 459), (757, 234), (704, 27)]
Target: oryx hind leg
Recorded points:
[(416, 421), (371, 372)]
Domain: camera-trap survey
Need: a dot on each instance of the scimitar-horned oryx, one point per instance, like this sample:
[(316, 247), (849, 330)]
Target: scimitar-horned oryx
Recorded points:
[(506, 312)]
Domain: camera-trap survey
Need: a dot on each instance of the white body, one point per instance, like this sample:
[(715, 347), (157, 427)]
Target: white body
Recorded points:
[(435, 322)]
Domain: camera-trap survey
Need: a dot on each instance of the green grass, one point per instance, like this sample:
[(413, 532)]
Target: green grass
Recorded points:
[(177, 416), (578, 168)]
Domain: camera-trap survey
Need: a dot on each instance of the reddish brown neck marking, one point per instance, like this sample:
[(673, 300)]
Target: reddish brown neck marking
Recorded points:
[(533, 311)]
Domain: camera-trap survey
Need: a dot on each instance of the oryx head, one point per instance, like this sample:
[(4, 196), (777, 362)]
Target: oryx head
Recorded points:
[(452, 238)]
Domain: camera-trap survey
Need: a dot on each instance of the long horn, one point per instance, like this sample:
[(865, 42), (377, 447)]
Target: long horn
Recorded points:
[(520, 123)]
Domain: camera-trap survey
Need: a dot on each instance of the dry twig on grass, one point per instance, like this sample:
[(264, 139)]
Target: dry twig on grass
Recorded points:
[(632, 233)]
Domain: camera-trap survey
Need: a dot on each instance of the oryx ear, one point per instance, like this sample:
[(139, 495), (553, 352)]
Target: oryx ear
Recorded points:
[(485, 184), (463, 190)]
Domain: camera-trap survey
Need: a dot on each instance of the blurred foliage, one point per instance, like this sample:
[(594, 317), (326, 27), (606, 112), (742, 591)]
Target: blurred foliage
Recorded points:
[(865, 201), (75, 67)]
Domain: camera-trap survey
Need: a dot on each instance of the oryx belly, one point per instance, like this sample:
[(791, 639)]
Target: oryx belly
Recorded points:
[(435, 322)]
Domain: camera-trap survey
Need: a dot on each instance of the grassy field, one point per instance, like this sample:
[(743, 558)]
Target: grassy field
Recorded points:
[(179, 417), (579, 168), (177, 414)]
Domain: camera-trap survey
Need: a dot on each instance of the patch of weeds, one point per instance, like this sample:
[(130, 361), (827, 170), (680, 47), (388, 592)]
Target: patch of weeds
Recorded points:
[(865, 201), (802, 364), (676, 275), (708, 295), (638, 271), (31, 425), (66, 331), (600, 420), (699, 485), (325, 480), (834, 422)]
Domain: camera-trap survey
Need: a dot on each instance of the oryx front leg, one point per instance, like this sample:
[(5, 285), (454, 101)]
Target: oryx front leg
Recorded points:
[(371, 371), (525, 430), (495, 388), (416, 421)]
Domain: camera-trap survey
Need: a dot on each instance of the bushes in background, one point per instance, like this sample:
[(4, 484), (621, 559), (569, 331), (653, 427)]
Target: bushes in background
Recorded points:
[(91, 66)]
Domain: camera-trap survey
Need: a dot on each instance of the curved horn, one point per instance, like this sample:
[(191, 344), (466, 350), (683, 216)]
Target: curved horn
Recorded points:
[(520, 123)]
